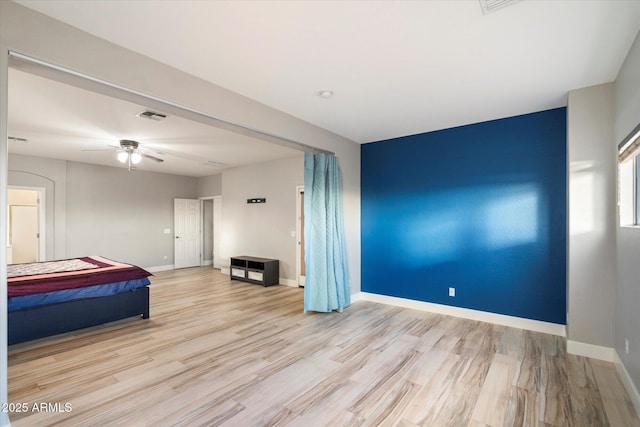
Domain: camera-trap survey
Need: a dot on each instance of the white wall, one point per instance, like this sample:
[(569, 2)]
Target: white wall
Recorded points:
[(592, 216), (627, 316), (121, 215), (262, 229), (209, 186), (4, 78)]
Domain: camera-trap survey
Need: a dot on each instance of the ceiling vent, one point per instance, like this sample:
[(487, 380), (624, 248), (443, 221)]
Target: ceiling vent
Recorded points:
[(213, 164), (152, 115), (489, 6)]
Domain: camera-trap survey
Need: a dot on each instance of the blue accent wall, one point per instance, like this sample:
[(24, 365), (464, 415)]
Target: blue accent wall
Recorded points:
[(481, 208)]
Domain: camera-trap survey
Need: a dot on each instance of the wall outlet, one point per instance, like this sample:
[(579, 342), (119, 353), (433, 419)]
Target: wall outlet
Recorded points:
[(452, 292), (626, 345)]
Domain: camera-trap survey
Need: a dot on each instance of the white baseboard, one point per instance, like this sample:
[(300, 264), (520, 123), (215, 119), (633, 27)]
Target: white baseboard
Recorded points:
[(593, 351), (225, 270), (356, 297), (207, 262), (159, 268), (628, 382), (466, 313), (289, 282)]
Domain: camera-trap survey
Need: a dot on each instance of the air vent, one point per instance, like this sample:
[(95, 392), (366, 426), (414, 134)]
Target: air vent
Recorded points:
[(213, 164), (489, 6), (16, 139), (152, 115)]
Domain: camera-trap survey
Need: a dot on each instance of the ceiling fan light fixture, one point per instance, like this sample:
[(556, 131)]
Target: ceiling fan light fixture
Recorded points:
[(123, 156), (136, 157)]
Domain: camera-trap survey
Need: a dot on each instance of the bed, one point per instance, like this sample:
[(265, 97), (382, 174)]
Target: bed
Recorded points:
[(52, 297)]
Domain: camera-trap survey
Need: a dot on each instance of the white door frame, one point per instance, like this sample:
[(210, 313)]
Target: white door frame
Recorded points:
[(42, 247), (217, 231), (299, 234)]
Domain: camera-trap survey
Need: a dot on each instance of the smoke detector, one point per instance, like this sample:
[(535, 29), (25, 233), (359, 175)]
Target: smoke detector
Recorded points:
[(152, 115), (489, 6)]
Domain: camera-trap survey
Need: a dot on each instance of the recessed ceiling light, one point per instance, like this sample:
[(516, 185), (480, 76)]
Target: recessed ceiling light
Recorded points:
[(325, 94)]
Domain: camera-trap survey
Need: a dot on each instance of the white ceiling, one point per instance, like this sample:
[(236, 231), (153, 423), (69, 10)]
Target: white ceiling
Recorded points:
[(395, 67), (61, 121)]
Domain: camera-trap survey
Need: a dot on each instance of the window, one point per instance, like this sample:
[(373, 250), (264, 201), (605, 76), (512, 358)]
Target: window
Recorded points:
[(629, 179)]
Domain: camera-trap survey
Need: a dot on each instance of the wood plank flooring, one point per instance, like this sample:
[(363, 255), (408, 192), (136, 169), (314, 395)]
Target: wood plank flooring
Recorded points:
[(217, 352)]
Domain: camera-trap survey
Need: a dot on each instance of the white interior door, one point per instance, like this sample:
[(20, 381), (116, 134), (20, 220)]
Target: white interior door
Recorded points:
[(24, 233), (26, 224), (186, 225)]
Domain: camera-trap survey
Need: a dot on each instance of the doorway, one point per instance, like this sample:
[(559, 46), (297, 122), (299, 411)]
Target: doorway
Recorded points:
[(217, 231), (210, 212), (25, 225), (206, 233)]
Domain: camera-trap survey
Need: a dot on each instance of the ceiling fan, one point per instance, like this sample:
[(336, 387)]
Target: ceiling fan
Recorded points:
[(130, 153)]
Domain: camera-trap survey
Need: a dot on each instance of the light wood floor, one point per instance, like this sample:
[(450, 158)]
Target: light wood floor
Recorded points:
[(217, 352)]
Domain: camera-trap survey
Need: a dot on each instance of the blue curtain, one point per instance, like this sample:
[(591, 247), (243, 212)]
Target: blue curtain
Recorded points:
[(326, 285)]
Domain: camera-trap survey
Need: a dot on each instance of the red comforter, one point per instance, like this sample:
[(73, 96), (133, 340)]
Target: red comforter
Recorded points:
[(49, 276)]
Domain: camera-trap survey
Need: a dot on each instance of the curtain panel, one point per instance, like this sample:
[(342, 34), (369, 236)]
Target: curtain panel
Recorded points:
[(326, 282)]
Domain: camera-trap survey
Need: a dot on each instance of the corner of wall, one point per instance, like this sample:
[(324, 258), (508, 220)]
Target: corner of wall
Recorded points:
[(627, 381), (591, 221), (599, 352)]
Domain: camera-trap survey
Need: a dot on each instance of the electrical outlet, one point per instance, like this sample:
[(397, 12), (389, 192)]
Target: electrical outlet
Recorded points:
[(626, 345), (452, 292)]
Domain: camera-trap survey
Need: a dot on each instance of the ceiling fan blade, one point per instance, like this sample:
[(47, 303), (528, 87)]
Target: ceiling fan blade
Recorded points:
[(209, 163), (150, 157), (111, 148)]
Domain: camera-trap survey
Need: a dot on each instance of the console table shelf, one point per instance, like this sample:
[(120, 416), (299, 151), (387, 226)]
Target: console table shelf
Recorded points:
[(261, 271)]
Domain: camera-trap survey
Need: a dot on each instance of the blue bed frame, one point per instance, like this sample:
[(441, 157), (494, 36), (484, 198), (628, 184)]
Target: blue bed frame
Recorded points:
[(43, 321)]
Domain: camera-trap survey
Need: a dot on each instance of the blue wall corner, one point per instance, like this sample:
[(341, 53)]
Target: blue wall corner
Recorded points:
[(481, 208)]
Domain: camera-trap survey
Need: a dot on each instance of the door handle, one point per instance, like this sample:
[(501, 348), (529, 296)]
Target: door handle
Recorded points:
[(177, 237)]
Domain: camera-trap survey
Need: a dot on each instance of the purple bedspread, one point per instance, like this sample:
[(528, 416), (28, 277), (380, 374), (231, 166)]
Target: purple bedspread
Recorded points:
[(89, 271)]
